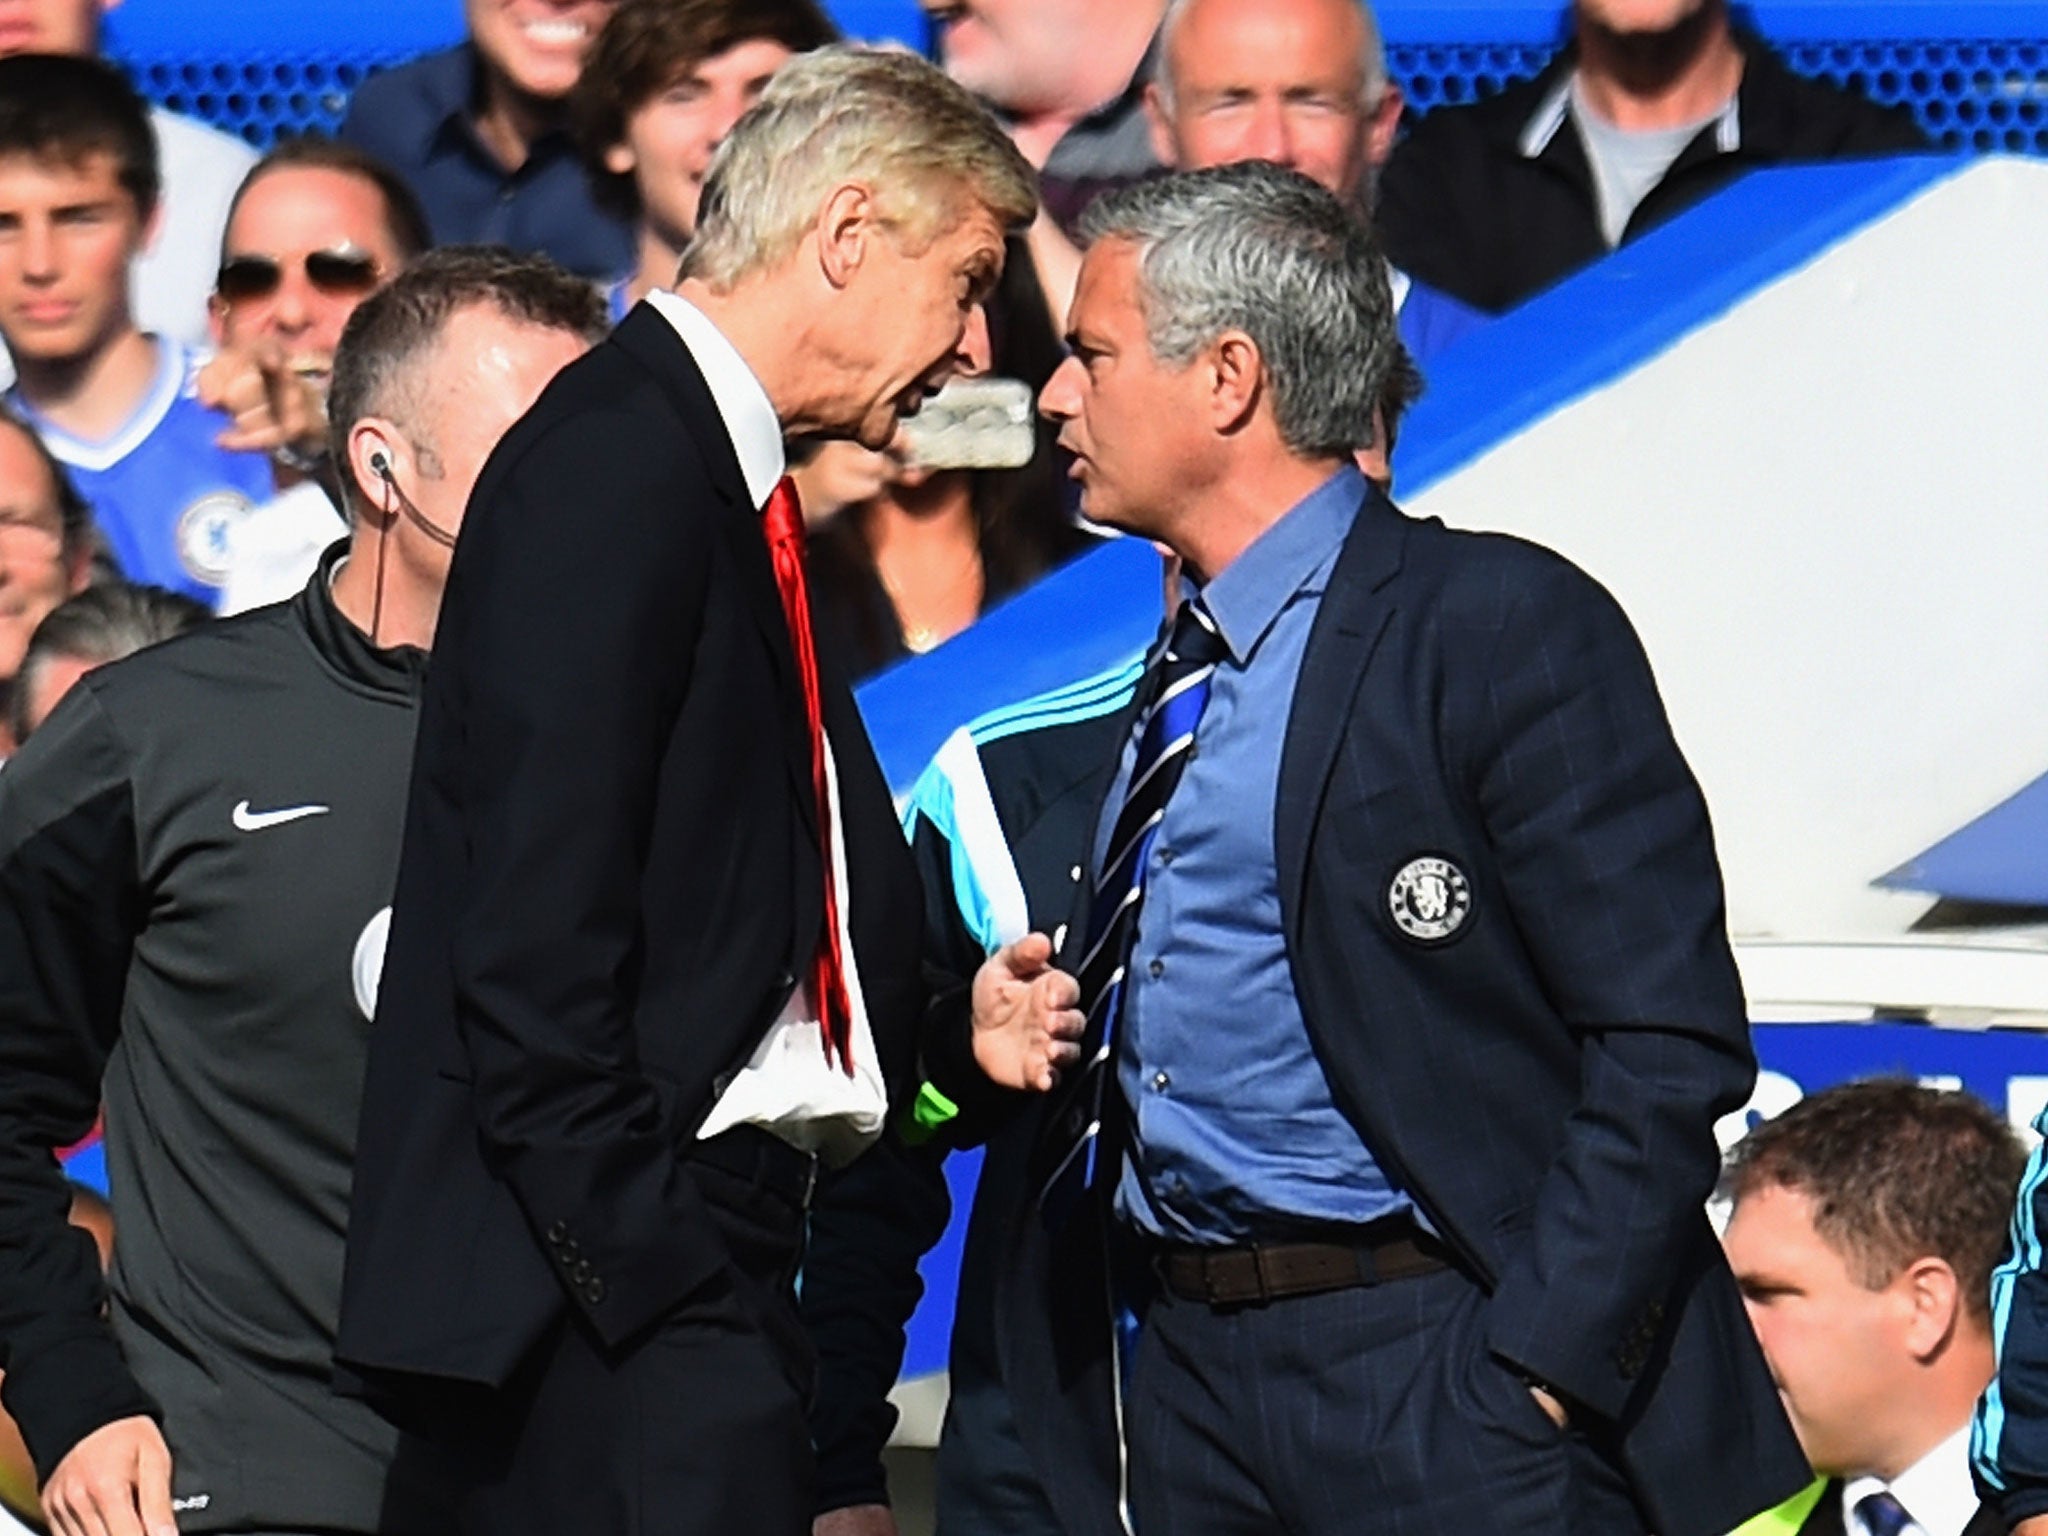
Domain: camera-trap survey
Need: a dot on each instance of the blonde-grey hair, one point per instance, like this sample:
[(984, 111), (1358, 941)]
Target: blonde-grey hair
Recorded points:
[(929, 150)]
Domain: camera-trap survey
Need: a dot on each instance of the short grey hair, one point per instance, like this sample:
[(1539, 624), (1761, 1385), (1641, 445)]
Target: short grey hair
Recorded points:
[(1372, 54), (1254, 248), (377, 362), (845, 113), (99, 625)]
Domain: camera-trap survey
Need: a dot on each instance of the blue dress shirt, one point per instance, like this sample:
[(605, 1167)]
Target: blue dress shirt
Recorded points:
[(416, 119), (1235, 1135)]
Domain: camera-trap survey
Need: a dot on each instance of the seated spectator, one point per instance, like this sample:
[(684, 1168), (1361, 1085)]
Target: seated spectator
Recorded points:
[(78, 192), (1302, 83), (1068, 77), (481, 133), (664, 85), (201, 168), (914, 555), (199, 849), (1866, 1222), (1653, 105), (99, 625), (46, 548), (316, 228)]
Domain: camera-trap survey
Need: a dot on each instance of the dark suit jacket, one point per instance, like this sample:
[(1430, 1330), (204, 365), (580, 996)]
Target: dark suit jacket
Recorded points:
[(1826, 1519), (609, 884), (1544, 1082)]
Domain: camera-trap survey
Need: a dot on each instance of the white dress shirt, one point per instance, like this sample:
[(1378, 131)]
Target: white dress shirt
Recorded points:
[(1936, 1491), (789, 1085)]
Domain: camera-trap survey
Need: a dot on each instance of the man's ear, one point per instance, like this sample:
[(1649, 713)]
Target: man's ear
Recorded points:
[(1934, 1305), (370, 441), (1161, 124), (619, 159), (846, 223), (1382, 125), (1237, 380)]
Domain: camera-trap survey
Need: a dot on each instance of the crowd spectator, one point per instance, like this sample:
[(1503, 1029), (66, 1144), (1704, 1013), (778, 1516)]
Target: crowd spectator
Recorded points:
[(1653, 105), (1068, 79), (46, 551), (101, 624), (1866, 1222), (1300, 83), (915, 554), (481, 132), (197, 853), (78, 192), (662, 88), (201, 167), (316, 228)]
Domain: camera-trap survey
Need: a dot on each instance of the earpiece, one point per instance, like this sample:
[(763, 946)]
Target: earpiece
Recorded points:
[(381, 465)]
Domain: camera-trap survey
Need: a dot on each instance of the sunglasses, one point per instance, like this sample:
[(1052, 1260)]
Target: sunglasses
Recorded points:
[(342, 273)]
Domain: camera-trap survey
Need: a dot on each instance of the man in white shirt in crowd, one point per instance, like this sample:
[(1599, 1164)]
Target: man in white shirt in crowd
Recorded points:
[(1866, 1222), (316, 228)]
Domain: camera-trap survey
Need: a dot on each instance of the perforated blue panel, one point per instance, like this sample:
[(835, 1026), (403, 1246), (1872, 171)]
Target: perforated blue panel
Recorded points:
[(1976, 74), (1968, 95)]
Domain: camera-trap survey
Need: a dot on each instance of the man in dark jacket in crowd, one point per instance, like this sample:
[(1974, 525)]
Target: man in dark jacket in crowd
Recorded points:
[(1653, 105)]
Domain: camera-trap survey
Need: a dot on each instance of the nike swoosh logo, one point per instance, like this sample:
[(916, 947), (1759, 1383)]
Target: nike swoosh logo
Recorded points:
[(247, 820)]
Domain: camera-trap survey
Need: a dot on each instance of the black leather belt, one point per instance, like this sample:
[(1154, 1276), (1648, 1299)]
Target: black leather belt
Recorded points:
[(762, 1159), (1258, 1272)]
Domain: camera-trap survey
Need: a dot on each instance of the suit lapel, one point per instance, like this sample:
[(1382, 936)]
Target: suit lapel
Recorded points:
[(653, 342), (1348, 624)]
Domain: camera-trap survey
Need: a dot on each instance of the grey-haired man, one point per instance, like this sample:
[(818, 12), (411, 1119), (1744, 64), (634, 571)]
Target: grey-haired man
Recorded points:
[(1400, 944)]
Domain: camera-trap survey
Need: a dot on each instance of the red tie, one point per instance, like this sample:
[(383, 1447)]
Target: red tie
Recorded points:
[(783, 519)]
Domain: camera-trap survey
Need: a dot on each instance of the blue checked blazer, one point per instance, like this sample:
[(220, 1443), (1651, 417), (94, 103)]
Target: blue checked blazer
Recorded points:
[(1544, 1078)]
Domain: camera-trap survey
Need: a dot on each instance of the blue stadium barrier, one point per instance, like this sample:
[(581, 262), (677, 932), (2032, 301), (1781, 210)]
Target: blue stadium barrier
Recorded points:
[(1975, 73)]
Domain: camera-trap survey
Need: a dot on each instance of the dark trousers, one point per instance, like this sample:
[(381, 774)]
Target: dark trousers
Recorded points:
[(1376, 1409), (697, 1429)]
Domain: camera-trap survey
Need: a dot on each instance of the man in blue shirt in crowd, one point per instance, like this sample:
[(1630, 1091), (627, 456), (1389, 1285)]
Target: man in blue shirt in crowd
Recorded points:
[(480, 131), (78, 200)]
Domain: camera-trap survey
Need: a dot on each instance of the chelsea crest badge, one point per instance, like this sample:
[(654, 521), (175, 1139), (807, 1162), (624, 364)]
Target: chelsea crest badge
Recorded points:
[(1429, 899)]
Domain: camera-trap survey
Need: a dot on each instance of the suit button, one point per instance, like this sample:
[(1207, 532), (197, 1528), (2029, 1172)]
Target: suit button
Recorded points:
[(558, 1232), (593, 1292), (785, 981), (582, 1270)]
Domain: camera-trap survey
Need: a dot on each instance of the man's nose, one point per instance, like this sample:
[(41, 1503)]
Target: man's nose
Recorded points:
[(975, 353), (1267, 137), (1061, 397)]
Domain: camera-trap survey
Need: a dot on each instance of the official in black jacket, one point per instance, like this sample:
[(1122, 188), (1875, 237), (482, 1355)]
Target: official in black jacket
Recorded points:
[(655, 944), (197, 853), (1496, 201)]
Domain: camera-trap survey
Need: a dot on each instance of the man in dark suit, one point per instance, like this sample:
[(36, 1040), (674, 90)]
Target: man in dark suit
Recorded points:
[(1409, 1005), (654, 951), (1866, 1223)]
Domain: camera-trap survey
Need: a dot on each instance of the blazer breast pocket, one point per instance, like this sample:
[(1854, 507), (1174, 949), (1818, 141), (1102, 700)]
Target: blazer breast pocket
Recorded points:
[(1406, 859)]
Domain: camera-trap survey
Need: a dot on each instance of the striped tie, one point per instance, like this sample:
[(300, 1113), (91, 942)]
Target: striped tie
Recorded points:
[(1071, 1155), (1883, 1515)]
